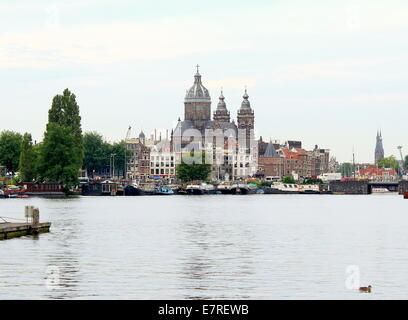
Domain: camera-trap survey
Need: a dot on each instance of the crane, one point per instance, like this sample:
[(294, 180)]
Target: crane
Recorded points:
[(402, 160), (128, 133)]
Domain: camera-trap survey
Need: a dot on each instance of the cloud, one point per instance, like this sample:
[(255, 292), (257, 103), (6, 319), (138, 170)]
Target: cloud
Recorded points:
[(351, 68), (259, 28)]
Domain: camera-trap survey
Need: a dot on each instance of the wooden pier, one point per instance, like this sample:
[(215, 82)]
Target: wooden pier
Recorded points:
[(33, 225), (10, 230)]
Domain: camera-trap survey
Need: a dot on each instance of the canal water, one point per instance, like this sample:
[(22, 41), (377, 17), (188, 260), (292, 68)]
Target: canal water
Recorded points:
[(209, 247)]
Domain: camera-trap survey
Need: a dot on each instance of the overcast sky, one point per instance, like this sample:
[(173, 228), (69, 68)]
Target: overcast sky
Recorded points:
[(325, 72)]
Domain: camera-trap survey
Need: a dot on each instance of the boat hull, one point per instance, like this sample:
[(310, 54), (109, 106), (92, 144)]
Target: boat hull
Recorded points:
[(277, 191)]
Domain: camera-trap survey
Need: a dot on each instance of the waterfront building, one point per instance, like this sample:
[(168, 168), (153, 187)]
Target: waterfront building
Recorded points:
[(227, 162), (374, 173), (138, 160), (162, 162), (379, 149), (270, 163), (245, 164)]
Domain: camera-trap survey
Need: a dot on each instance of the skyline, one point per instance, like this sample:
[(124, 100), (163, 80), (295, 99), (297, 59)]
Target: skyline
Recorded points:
[(325, 75)]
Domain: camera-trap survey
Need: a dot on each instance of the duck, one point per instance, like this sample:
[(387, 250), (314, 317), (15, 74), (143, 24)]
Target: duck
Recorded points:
[(365, 289)]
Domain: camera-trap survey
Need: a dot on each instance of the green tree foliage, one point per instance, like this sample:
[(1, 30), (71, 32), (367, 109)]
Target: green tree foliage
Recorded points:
[(406, 163), (95, 152), (62, 150), (10, 147), (312, 181), (194, 171), (58, 156), (389, 162), (288, 179), (27, 159)]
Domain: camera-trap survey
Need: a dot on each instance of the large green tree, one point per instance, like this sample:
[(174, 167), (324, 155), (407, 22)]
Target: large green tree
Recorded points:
[(62, 150), (406, 163), (389, 162), (27, 164), (10, 147), (187, 172)]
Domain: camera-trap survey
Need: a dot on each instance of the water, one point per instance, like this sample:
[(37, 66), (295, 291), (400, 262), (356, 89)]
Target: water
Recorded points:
[(209, 247)]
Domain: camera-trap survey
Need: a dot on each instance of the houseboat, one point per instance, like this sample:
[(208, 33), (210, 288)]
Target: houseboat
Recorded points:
[(241, 188), (309, 189), (224, 188), (282, 188), (42, 189), (99, 188), (202, 188)]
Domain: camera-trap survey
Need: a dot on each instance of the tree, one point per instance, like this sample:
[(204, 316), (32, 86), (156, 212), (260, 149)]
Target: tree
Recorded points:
[(27, 159), (95, 152), (406, 163), (288, 179), (10, 146), (61, 155), (194, 171), (389, 162), (312, 181)]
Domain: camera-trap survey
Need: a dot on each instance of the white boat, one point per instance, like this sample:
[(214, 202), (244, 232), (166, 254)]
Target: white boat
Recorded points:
[(380, 190), (282, 188), (224, 188), (202, 188)]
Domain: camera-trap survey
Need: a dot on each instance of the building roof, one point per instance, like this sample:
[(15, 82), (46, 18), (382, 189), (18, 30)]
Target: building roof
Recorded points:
[(245, 105), (197, 93), (293, 153), (221, 104), (270, 151), (372, 171)]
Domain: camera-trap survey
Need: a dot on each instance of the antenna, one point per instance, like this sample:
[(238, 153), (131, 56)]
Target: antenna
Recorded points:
[(354, 166), (402, 160)]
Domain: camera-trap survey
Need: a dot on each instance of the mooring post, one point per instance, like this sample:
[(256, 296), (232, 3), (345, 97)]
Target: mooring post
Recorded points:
[(28, 212), (36, 217)]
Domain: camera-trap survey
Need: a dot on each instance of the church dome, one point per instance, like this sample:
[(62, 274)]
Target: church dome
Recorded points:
[(197, 93), (245, 105), (141, 135), (221, 104)]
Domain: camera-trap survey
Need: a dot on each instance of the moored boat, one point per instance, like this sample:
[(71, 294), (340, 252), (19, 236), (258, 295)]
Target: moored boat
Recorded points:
[(241, 188), (163, 190), (199, 189), (380, 190), (224, 188), (282, 188), (309, 189)]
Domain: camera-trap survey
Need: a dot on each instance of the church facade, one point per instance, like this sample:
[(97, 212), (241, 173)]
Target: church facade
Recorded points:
[(197, 114), (200, 123)]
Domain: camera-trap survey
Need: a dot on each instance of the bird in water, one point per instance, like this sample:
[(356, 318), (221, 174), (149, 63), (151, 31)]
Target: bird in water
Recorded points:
[(365, 289)]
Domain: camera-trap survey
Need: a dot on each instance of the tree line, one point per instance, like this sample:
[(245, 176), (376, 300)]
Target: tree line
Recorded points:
[(63, 151)]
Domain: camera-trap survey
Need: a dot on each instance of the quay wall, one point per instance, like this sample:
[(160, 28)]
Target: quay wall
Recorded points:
[(349, 187)]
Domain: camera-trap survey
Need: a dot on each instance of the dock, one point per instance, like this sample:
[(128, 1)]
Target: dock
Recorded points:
[(31, 226), (10, 230)]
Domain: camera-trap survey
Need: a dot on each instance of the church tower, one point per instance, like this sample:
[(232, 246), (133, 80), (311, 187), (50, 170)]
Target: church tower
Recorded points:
[(197, 104), (246, 119), (379, 149), (221, 114)]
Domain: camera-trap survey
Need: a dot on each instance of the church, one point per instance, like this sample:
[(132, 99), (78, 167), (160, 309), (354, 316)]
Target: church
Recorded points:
[(197, 115)]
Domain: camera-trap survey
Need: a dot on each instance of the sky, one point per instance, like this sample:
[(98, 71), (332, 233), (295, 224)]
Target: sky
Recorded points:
[(329, 73)]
